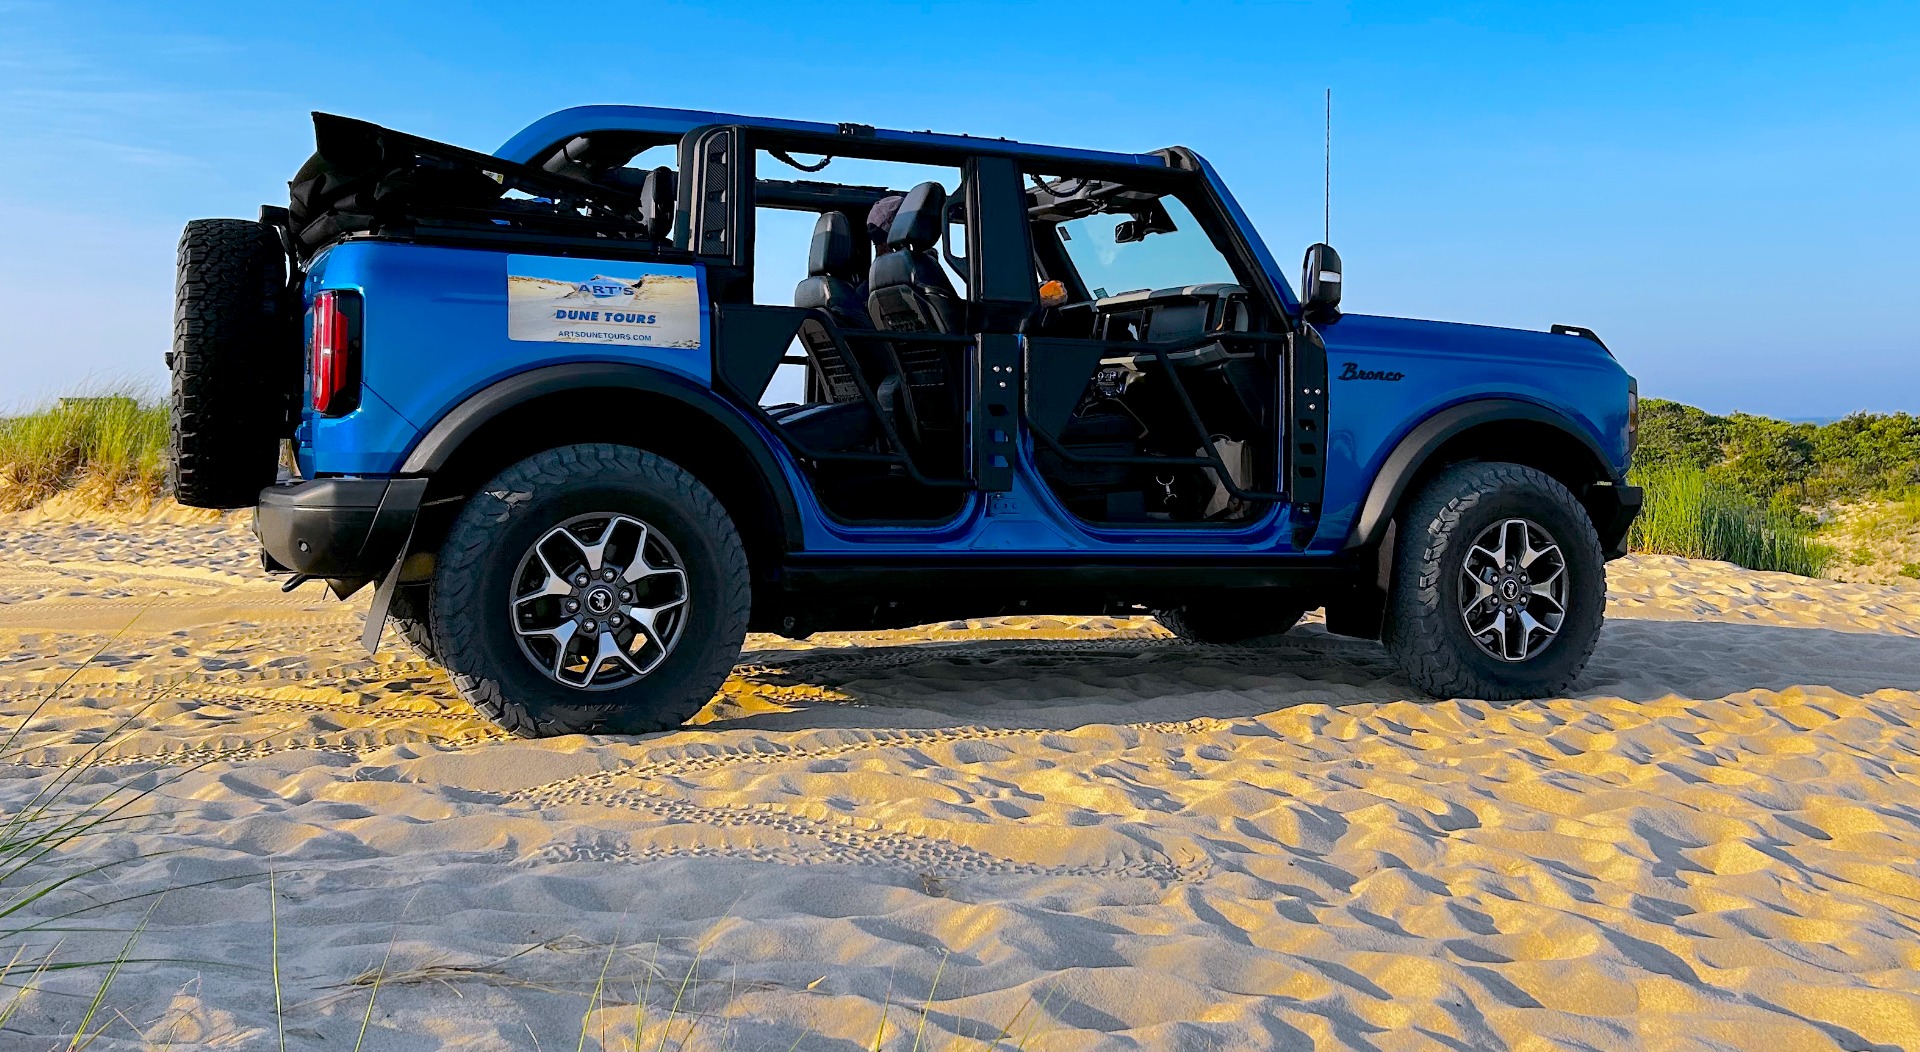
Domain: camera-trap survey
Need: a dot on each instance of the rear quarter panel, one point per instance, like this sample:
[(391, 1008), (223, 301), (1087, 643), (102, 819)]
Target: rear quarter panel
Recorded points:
[(436, 332), (1441, 364)]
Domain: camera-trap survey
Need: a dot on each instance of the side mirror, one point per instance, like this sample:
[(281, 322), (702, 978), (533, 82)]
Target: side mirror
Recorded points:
[(1320, 283)]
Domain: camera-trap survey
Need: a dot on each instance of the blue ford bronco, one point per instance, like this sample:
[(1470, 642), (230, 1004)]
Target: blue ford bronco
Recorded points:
[(557, 406)]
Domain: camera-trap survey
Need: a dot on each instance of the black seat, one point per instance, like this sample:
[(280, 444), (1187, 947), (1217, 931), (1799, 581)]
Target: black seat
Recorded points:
[(656, 202), (837, 416), (833, 274), (831, 266), (907, 291), (829, 427), (655, 190)]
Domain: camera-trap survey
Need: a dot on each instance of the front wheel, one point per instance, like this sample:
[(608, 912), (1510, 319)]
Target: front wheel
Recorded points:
[(590, 589), (1499, 586)]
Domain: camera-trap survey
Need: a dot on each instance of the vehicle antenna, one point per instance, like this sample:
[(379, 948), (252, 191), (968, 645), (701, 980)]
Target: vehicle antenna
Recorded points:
[(1326, 189)]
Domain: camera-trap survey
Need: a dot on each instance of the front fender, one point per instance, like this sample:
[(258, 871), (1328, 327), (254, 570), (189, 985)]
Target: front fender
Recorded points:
[(1403, 464)]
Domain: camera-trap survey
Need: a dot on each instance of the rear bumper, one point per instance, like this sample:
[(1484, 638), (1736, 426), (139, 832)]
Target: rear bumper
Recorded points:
[(346, 528), (1613, 508)]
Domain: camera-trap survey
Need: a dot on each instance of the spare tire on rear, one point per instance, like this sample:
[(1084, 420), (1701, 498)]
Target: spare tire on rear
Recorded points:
[(236, 363)]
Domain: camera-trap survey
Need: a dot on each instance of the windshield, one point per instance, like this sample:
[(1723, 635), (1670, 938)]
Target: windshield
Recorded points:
[(1108, 267)]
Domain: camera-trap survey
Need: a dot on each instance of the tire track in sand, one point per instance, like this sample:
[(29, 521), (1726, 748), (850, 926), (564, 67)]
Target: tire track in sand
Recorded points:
[(690, 759), (843, 840)]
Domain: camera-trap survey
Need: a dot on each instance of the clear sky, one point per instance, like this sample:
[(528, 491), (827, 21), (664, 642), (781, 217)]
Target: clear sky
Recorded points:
[(1729, 193)]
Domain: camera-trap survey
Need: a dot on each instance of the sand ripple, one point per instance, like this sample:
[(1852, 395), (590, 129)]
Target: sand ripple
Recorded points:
[(1118, 839)]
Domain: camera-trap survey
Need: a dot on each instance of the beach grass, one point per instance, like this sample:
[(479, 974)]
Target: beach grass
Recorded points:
[(108, 448), (1691, 514), (687, 1035), (1903, 511)]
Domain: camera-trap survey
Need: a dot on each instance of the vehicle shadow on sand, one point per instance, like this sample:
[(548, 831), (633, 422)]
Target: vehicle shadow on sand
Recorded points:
[(1069, 683)]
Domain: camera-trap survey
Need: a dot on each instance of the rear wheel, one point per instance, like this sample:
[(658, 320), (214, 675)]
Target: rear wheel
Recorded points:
[(1241, 621), (1499, 585), (408, 613), (590, 589)]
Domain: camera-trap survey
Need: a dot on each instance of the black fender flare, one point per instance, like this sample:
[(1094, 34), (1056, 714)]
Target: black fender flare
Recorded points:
[(438, 445), (1403, 464)]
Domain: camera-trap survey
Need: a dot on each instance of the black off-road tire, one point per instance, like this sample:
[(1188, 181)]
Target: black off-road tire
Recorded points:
[(473, 581), (1424, 628), (235, 363), (1249, 620), (408, 614)]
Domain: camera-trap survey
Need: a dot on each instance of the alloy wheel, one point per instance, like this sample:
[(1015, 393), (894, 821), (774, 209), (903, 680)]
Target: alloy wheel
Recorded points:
[(599, 601), (1513, 589)]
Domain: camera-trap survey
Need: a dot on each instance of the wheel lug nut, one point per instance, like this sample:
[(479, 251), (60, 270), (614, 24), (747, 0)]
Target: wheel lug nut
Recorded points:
[(606, 575), (625, 595), (580, 581), (572, 605), (614, 620), (590, 625)]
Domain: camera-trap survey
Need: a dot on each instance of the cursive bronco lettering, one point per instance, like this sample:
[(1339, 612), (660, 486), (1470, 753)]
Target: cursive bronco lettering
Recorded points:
[(1351, 371)]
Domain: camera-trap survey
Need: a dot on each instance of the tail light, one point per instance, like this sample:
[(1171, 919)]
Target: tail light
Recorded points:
[(333, 353), (1633, 415)]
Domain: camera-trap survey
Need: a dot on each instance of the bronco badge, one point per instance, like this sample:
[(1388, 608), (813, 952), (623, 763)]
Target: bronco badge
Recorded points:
[(1350, 371)]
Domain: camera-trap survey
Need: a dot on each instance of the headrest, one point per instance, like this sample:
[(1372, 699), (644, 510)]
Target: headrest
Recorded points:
[(921, 215), (832, 251), (656, 202), (880, 221), (632, 180)]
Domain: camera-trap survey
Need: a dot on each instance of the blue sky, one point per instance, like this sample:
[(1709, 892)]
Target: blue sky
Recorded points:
[(1726, 192)]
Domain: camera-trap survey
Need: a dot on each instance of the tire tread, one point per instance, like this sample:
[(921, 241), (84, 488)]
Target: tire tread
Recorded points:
[(227, 401), (456, 581), (1417, 617)]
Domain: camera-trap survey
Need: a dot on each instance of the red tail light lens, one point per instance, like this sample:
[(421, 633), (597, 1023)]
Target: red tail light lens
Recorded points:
[(333, 353), (1633, 415)]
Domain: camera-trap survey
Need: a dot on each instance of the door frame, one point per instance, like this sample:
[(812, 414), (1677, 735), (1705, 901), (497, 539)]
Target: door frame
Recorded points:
[(1075, 360), (716, 216)]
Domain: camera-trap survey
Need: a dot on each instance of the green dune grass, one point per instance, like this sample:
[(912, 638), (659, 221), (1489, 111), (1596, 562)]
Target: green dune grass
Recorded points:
[(109, 448), (1690, 513)]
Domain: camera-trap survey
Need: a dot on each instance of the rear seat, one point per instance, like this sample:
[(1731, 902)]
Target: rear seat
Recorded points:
[(656, 189)]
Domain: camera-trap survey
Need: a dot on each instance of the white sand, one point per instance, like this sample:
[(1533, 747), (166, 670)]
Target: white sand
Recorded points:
[(1122, 841)]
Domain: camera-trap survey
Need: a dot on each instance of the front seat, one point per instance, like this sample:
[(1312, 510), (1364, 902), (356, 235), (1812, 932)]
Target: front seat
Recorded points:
[(833, 270), (907, 291)]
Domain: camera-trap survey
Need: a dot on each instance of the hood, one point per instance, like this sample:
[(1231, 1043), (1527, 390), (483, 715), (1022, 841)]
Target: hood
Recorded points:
[(1363, 332)]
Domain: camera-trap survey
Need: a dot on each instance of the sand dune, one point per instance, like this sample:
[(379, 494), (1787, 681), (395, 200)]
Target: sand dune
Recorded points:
[(1078, 826)]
